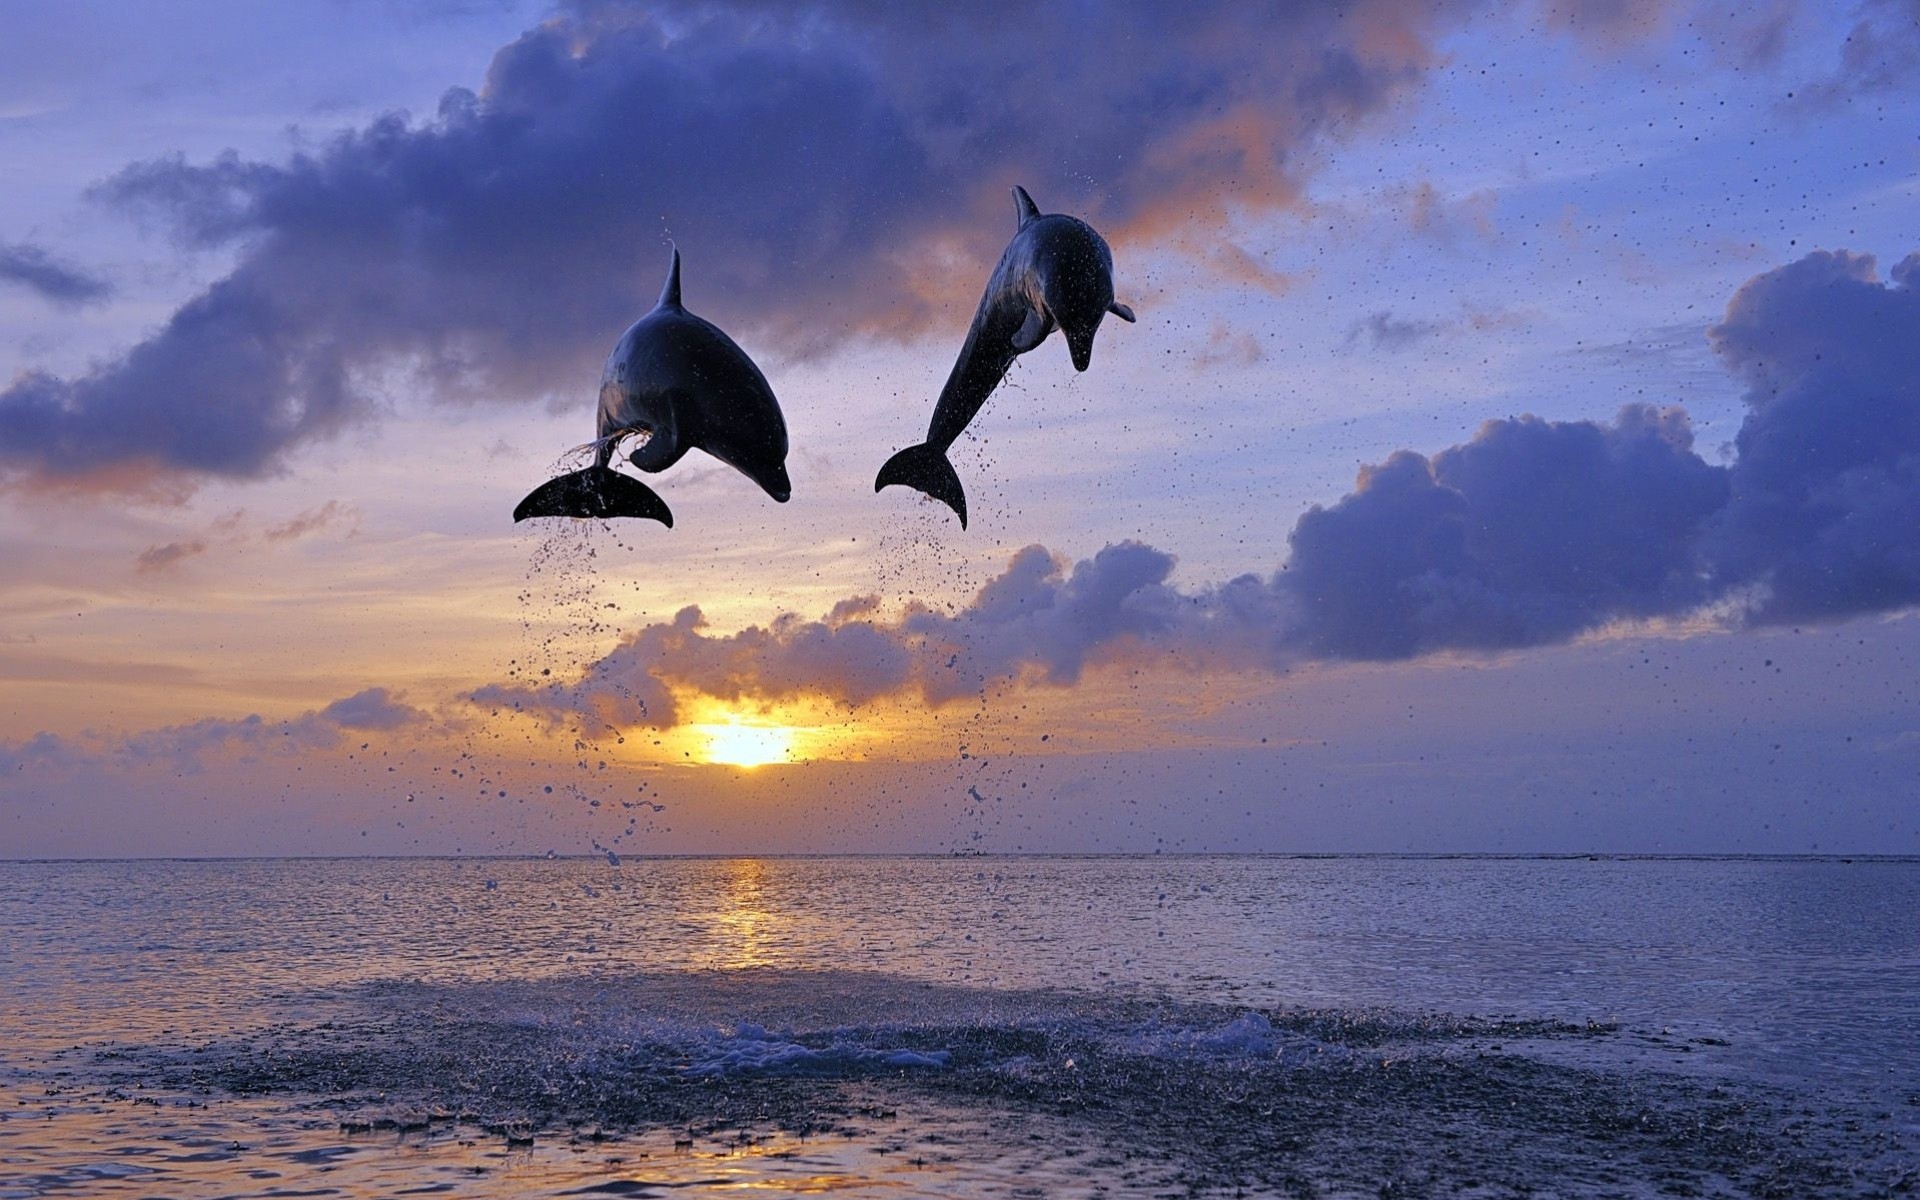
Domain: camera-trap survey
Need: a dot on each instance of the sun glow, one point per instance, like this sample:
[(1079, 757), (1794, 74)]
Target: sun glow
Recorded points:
[(738, 744)]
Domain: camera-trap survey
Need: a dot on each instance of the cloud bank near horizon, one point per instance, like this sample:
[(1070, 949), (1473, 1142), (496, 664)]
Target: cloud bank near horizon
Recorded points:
[(186, 748)]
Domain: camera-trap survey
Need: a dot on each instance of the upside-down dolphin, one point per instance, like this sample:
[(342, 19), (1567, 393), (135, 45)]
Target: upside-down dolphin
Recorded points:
[(683, 384), (1056, 272)]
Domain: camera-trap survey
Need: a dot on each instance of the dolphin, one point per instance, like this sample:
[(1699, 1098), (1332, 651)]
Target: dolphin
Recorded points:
[(683, 384), (1056, 273)]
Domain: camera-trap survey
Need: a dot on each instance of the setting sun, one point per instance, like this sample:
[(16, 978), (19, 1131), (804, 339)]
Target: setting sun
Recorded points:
[(736, 744)]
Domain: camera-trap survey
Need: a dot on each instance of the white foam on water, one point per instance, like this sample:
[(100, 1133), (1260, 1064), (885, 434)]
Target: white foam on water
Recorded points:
[(1249, 1036), (752, 1048)]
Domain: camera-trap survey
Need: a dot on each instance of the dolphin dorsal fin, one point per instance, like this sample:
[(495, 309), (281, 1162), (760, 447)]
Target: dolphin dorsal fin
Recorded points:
[(670, 294), (1024, 208)]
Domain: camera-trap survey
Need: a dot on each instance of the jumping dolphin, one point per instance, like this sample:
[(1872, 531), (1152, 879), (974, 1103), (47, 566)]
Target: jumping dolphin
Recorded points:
[(682, 383), (1056, 272)]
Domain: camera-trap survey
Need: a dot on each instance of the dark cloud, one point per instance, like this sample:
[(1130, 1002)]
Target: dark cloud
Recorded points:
[(1825, 509), (56, 282), (831, 171), (1536, 531), (161, 558), (1532, 532)]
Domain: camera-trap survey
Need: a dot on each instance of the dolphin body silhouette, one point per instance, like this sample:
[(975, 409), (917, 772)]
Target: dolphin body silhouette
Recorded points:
[(686, 385), (1056, 273)]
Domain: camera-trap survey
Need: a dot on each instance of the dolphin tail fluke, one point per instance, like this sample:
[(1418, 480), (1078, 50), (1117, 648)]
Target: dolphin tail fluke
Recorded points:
[(595, 492), (926, 469)]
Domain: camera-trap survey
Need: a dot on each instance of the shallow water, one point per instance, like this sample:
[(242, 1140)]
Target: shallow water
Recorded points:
[(960, 1026)]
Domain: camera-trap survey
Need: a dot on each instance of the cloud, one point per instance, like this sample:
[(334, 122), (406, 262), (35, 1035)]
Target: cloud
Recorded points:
[(855, 155), (374, 708), (187, 748), (1384, 331), (42, 749), (1040, 622), (58, 283), (1881, 53), (1532, 533), (1446, 219), (313, 520), (231, 529), (1234, 263), (1826, 486), (1227, 346), (161, 558)]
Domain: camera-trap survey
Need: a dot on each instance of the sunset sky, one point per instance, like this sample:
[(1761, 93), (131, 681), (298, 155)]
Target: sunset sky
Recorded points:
[(1518, 449)]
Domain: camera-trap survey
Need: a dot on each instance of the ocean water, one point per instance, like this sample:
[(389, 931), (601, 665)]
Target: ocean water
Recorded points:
[(960, 1027)]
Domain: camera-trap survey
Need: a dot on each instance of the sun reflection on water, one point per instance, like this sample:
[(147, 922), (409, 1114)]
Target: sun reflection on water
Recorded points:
[(748, 934)]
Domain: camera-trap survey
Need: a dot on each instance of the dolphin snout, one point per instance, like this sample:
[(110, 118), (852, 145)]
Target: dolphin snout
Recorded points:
[(1081, 348), (776, 483)]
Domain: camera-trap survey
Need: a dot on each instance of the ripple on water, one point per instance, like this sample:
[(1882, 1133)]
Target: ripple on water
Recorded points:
[(959, 1027), (679, 1082)]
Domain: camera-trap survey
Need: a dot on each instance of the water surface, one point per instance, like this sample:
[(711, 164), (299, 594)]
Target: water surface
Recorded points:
[(960, 1026)]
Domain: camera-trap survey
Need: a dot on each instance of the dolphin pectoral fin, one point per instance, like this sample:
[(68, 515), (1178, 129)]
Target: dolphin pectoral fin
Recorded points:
[(926, 469), (596, 492), (1032, 331), (662, 449), (1122, 311), (1025, 210)]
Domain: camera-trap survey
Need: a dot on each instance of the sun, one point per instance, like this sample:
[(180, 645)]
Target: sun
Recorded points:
[(737, 744)]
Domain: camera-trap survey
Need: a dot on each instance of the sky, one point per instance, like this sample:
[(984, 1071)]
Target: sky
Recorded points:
[(1518, 449)]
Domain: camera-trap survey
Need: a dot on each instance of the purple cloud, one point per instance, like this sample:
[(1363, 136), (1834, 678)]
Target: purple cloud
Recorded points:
[(161, 558), (1040, 621), (313, 520), (185, 748), (373, 708), (822, 166), (25, 265), (1532, 533), (1825, 507)]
